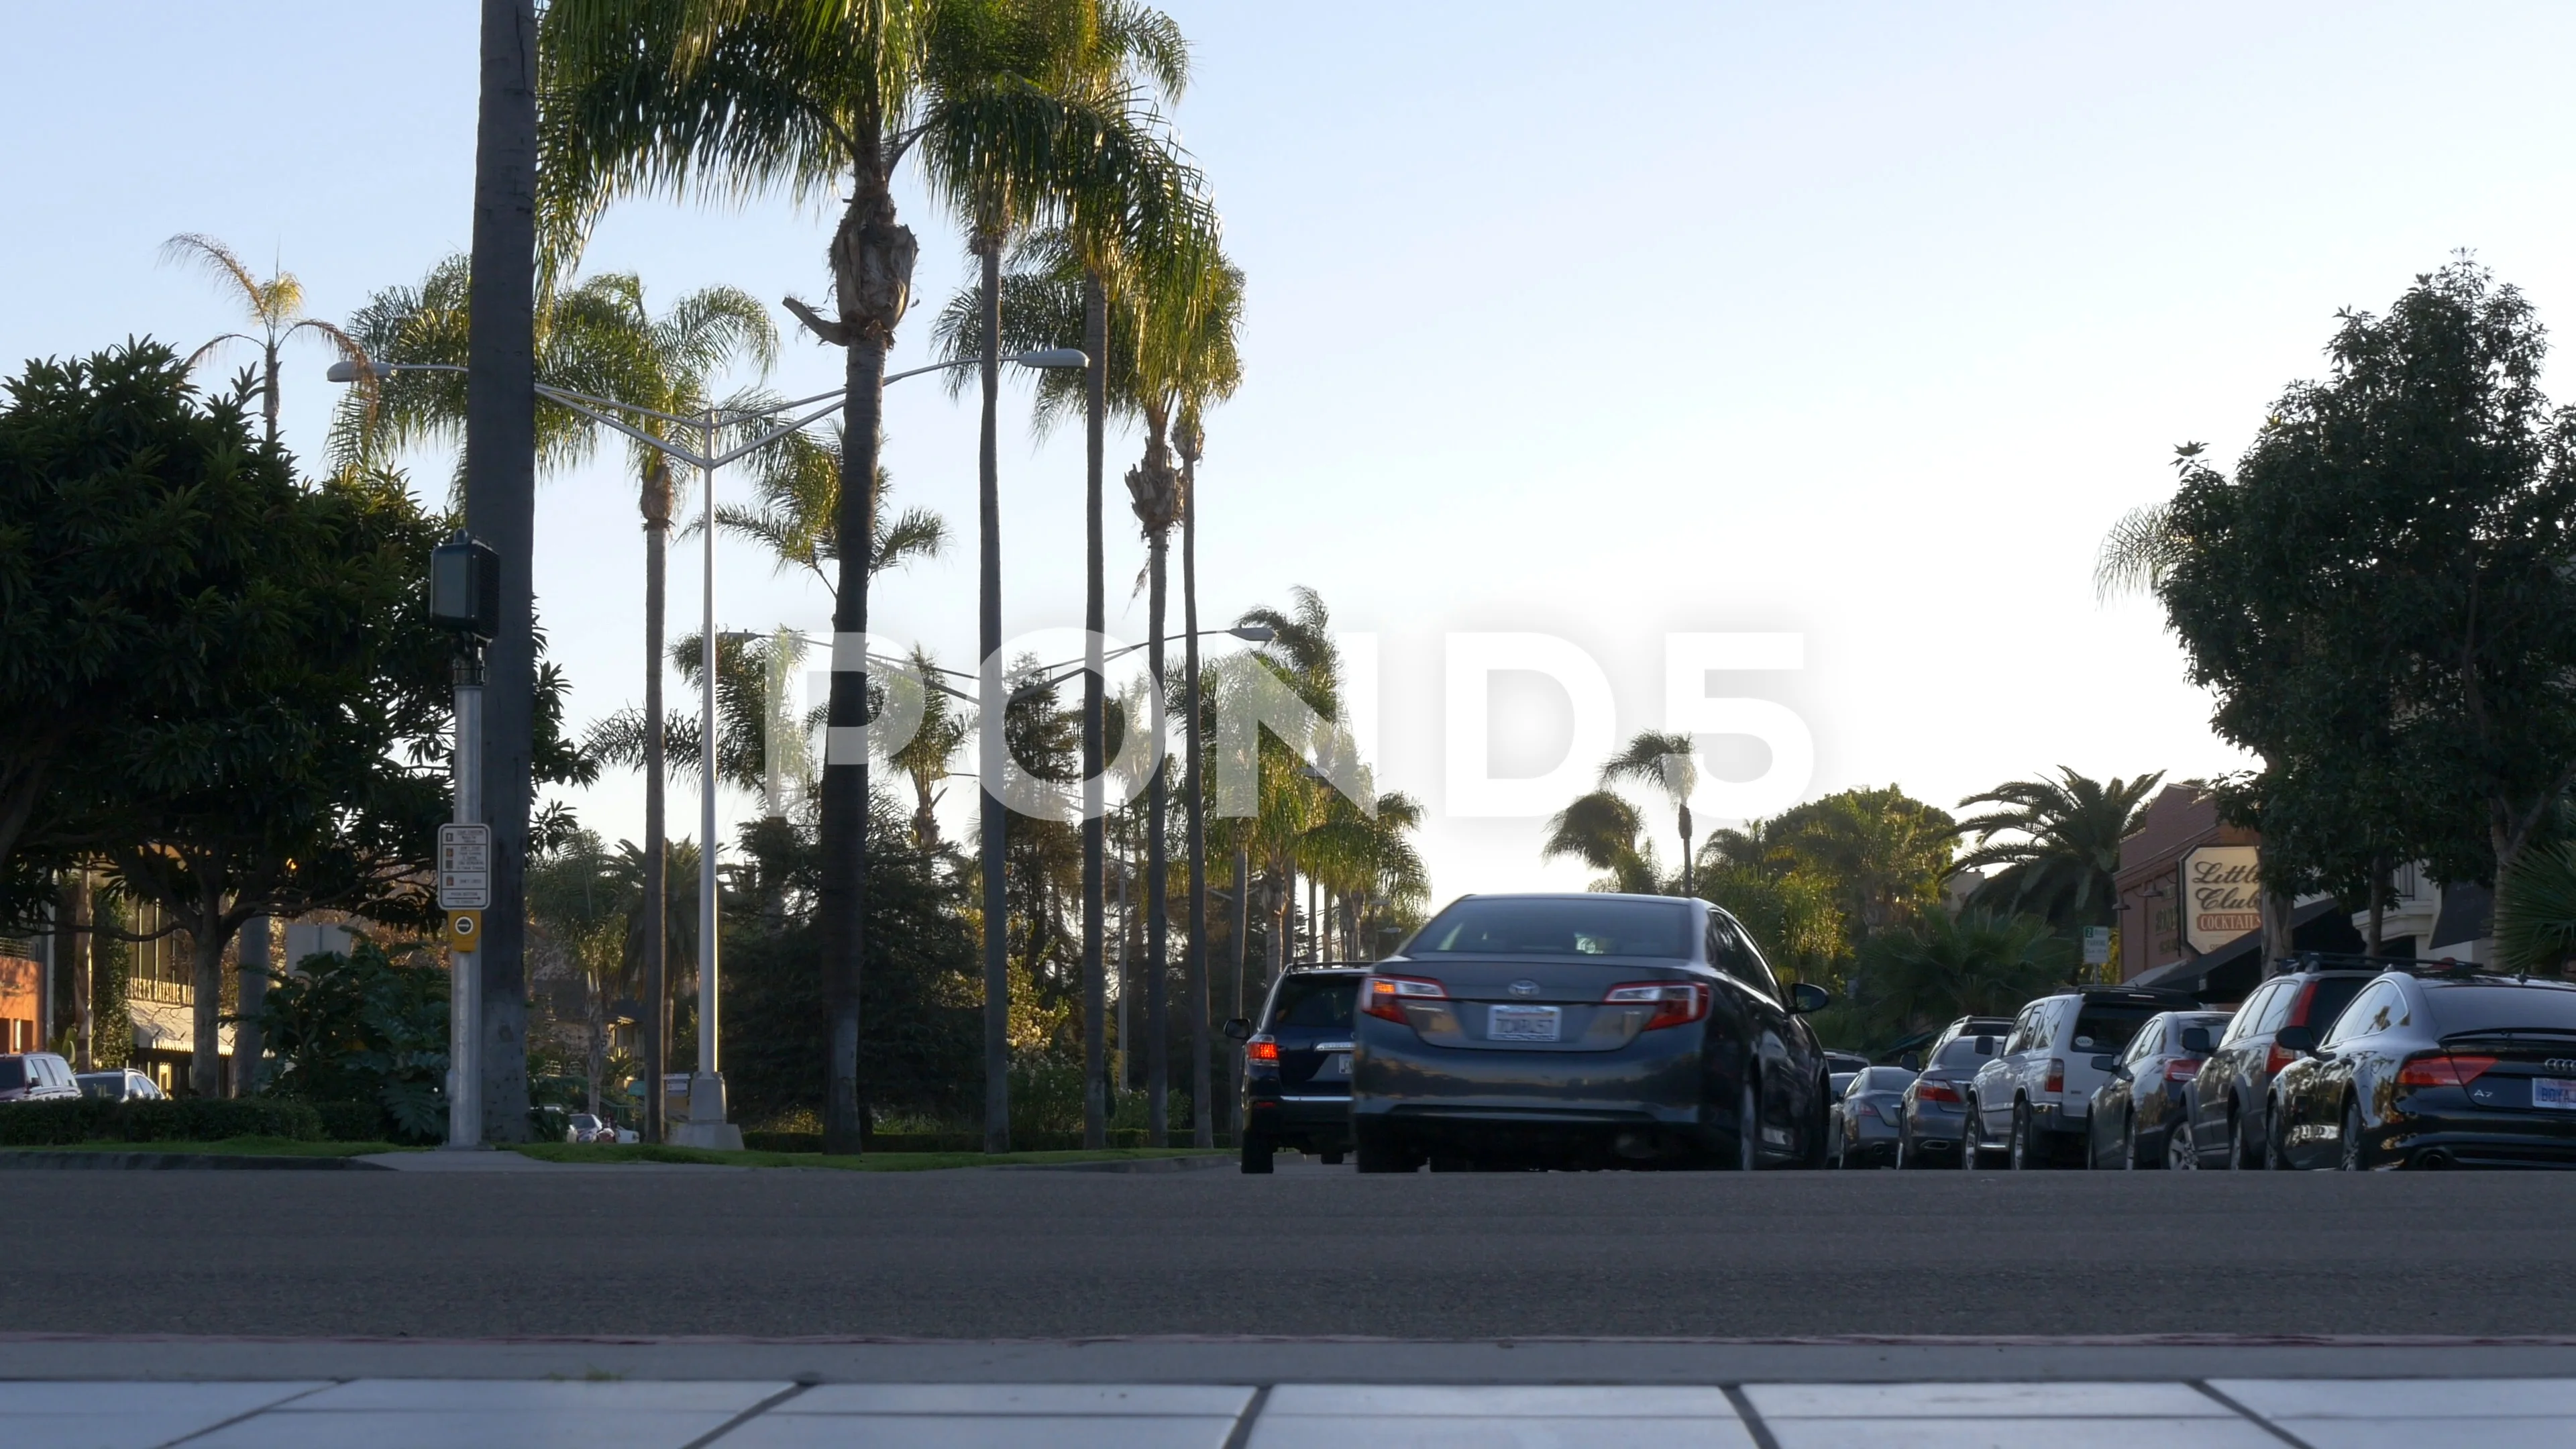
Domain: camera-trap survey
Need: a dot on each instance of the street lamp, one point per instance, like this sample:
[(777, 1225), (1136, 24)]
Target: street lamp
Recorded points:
[(706, 1125)]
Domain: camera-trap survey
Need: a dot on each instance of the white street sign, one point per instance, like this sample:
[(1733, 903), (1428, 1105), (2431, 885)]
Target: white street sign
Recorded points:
[(2097, 945), (464, 867)]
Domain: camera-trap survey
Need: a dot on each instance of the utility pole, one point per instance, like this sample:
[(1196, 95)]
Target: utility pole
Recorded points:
[(500, 509), (465, 600)]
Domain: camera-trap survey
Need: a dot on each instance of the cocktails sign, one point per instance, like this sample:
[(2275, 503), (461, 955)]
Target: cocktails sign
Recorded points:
[(2222, 894)]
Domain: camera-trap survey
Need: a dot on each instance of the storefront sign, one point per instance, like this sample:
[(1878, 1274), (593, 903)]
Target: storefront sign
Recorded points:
[(2222, 894)]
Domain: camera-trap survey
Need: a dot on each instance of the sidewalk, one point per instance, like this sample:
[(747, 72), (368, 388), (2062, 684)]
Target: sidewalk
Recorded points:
[(437, 1413)]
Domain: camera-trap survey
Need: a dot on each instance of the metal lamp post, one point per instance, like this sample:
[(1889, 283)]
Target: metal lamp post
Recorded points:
[(706, 1125)]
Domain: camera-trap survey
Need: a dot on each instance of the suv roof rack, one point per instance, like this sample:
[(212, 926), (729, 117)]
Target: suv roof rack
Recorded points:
[(2333, 961)]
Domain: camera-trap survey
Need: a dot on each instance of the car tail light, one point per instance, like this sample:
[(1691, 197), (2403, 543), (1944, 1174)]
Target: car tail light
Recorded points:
[(2280, 1057), (2056, 1076), (1387, 994), (1676, 1003), (2299, 1008), (1262, 1048), (2181, 1070), (1869, 1109), (1935, 1092), (2443, 1071)]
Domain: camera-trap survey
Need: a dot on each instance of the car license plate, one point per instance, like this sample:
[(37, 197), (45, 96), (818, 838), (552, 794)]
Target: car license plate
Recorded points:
[(1522, 1023), (1336, 1064), (2555, 1092)]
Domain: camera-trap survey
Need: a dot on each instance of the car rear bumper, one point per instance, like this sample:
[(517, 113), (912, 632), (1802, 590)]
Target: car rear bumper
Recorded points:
[(1655, 1079), (1301, 1118), (2481, 1139)]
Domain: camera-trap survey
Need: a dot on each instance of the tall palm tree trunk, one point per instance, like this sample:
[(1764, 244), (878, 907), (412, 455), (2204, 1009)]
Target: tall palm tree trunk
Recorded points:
[(995, 749), (1158, 1035), (73, 911), (1242, 921), (1095, 1055), (872, 258), (1194, 950), (656, 503)]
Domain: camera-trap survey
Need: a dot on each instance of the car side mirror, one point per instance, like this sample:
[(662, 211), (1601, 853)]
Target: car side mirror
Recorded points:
[(2108, 1064), (1806, 996), (1985, 1046), (2195, 1040), (2296, 1039), (1238, 1029)]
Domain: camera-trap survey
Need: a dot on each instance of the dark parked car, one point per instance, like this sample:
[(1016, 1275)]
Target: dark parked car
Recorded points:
[(1867, 1118), (2440, 1069), (1586, 1030), (125, 1085), (1933, 1114), (1297, 1066), (36, 1077), (2134, 1114), (2226, 1127)]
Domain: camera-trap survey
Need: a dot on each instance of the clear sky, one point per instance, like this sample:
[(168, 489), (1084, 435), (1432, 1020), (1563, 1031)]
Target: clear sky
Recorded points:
[(1861, 322)]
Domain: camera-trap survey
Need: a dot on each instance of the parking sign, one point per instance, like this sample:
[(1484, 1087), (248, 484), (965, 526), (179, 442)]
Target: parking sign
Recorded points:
[(464, 867)]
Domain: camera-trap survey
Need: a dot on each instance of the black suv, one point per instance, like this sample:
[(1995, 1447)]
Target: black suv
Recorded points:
[(2225, 1126), (1297, 1065)]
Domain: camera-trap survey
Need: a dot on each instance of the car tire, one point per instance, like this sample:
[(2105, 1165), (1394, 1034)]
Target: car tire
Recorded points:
[(1968, 1134), (2017, 1149), (2243, 1152), (2182, 1151), (1258, 1150), (2129, 1145), (1380, 1150), (1904, 1149), (2350, 1159), (1748, 1127), (2276, 1146)]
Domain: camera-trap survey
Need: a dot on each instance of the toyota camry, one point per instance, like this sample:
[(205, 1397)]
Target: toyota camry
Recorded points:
[(1588, 1030)]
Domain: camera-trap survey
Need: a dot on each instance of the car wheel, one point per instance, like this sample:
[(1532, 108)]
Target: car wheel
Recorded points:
[(2182, 1154), (2017, 1149), (2129, 1144), (1904, 1148), (1968, 1133), (2276, 1145), (1257, 1152), (2352, 1159), (2242, 1150), (1379, 1150), (1748, 1127)]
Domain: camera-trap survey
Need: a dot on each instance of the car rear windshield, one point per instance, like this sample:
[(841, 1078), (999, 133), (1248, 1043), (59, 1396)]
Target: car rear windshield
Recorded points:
[(13, 1072), (1888, 1079), (1500, 926), (2107, 1026), (2334, 993), (1324, 1003), (2502, 1008), (1960, 1054)]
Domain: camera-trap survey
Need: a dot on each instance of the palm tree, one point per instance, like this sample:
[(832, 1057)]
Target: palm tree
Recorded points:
[(275, 308), (1942, 967), (597, 337), (1604, 831), (577, 896), (2535, 910), (2058, 842), (812, 96), (1666, 761)]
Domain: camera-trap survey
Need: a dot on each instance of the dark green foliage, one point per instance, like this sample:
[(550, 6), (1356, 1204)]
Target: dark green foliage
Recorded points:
[(363, 1028), (2381, 598), (919, 1023), (186, 1119), (352, 1121), (1943, 967), (2062, 847)]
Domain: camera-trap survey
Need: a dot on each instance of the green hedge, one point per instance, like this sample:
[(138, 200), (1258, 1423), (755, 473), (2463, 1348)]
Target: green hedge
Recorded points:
[(354, 1122), (188, 1119)]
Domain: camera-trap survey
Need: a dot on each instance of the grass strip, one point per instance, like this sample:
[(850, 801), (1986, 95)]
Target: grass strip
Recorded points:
[(872, 1162)]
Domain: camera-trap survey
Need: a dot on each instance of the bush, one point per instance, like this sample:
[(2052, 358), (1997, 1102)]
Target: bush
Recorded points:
[(363, 1029), (353, 1122), (190, 1119)]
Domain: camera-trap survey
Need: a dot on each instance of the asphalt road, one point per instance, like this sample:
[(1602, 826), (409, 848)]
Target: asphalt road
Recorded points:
[(1307, 1251)]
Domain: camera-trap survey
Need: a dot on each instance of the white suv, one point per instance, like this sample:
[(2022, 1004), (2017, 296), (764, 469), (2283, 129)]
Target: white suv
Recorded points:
[(2032, 1098)]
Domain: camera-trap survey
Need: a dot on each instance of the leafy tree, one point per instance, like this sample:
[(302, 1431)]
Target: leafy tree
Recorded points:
[(1939, 968), (362, 1027), (580, 901), (1885, 852), (2058, 842), (2535, 910), (2381, 596)]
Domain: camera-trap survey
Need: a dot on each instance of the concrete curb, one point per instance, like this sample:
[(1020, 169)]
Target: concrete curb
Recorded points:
[(1133, 1164), (39, 1159)]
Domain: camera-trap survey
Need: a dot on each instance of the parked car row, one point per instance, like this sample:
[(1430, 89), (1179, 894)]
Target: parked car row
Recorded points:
[(2328, 1064)]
